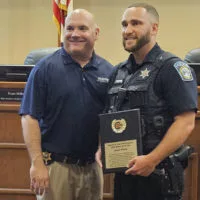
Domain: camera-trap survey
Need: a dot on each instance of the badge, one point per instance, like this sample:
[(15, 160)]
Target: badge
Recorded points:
[(144, 73), (118, 126), (184, 71), (46, 157)]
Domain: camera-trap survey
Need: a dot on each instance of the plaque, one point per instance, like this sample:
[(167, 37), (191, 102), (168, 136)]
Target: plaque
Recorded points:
[(121, 140)]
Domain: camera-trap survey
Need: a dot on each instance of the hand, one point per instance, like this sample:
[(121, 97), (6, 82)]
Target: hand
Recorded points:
[(98, 157), (140, 165), (39, 178)]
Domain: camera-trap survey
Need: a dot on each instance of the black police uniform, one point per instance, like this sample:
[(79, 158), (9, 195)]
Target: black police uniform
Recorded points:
[(163, 86)]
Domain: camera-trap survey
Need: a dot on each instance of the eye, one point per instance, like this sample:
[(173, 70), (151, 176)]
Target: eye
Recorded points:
[(124, 24), (69, 28), (135, 22), (83, 28)]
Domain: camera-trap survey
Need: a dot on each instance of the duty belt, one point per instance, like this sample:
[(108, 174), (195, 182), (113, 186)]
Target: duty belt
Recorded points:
[(51, 157)]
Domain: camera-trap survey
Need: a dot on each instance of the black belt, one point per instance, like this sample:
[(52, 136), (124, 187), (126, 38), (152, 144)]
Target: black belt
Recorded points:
[(51, 157)]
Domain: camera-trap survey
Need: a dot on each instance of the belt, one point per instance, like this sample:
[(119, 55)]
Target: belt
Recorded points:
[(51, 157)]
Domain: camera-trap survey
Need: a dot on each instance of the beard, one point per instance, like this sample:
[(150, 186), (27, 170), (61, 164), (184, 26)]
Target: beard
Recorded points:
[(145, 39)]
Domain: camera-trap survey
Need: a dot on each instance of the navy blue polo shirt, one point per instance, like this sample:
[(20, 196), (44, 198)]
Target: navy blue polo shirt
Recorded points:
[(66, 100)]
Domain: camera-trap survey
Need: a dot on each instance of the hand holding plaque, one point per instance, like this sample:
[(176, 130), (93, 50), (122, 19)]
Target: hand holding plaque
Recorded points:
[(120, 139)]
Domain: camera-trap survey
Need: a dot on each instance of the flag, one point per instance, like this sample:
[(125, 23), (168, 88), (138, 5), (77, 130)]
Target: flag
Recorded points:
[(60, 10)]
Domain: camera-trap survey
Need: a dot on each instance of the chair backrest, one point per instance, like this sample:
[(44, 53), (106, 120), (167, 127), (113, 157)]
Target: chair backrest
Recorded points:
[(193, 56), (35, 55), (193, 60)]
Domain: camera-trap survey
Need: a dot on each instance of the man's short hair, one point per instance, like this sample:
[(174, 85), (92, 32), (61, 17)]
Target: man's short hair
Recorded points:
[(149, 8)]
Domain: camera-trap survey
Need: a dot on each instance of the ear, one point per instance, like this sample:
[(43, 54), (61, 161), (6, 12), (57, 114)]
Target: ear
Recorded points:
[(97, 30), (154, 28)]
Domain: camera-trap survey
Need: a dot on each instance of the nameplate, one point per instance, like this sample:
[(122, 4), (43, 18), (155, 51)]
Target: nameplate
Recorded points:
[(11, 94)]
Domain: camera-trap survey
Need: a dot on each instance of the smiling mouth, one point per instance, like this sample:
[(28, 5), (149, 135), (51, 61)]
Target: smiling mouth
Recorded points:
[(130, 38), (76, 43)]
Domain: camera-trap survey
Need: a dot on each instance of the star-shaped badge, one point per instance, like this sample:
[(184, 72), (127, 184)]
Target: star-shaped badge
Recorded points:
[(144, 73), (46, 157)]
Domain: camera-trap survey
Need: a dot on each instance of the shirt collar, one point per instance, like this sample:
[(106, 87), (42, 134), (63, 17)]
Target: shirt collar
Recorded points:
[(94, 62), (150, 58), (153, 54)]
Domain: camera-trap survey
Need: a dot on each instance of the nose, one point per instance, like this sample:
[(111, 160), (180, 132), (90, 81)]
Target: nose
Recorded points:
[(75, 33), (128, 29)]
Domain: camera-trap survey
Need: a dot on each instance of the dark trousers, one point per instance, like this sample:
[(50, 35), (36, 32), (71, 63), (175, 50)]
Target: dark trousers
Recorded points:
[(128, 187)]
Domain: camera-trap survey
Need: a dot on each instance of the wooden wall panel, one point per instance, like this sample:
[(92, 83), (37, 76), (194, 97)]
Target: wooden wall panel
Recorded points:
[(108, 186), (10, 131), (191, 179), (14, 161), (14, 165), (16, 197), (194, 140)]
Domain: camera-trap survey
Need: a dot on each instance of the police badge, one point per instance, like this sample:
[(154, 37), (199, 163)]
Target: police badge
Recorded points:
[(46, 157)]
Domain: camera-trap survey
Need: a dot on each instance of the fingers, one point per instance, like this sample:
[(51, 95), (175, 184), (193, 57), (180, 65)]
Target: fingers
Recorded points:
[(99, 163), (132, 162), (130, 171), (98, 158), (142, 172), (39, 186)]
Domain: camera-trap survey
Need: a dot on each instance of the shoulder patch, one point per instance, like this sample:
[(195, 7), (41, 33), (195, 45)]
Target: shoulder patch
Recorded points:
[(184, 70)]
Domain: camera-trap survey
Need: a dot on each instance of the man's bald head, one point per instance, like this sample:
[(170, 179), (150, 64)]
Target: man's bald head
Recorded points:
[(82, 12)]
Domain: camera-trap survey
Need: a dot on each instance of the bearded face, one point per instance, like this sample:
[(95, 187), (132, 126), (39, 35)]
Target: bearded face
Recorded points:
[(133, 44), (138, 29)]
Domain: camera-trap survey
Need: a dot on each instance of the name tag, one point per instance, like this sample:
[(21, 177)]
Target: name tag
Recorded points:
[(102, 80)]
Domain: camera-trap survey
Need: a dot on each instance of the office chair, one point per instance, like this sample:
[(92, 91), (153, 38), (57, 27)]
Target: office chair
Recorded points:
[(35, 55), (193, 56)]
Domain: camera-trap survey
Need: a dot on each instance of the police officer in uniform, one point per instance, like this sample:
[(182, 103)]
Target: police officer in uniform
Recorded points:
[(164, 88)]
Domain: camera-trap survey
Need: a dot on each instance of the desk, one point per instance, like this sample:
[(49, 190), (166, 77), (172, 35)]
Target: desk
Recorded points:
[(15, 164)]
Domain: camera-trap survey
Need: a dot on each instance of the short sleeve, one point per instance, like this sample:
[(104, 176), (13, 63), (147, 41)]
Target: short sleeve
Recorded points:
[(176, 83), (33, 101)]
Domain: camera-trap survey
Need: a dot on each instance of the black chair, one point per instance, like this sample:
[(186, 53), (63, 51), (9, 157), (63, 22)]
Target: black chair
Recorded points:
[(193, 56), (193, 60)]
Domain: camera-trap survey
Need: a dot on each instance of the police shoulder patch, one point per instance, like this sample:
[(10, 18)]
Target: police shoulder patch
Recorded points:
[(184, 70)]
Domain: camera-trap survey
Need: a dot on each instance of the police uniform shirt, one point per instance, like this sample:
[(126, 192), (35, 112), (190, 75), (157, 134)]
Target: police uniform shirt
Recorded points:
[(175, 82), (66, 100)]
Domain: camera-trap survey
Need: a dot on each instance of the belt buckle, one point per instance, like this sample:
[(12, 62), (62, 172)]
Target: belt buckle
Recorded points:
[(46, 157)]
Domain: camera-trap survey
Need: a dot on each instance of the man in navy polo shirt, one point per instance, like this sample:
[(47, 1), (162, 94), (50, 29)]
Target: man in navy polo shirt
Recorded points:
[(64, 94)]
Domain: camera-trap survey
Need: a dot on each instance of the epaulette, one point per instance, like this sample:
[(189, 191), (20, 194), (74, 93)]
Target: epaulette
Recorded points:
[(163, 57)]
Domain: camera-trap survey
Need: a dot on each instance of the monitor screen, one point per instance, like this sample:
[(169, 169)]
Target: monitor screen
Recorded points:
[(15, 73), (196, 67)]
